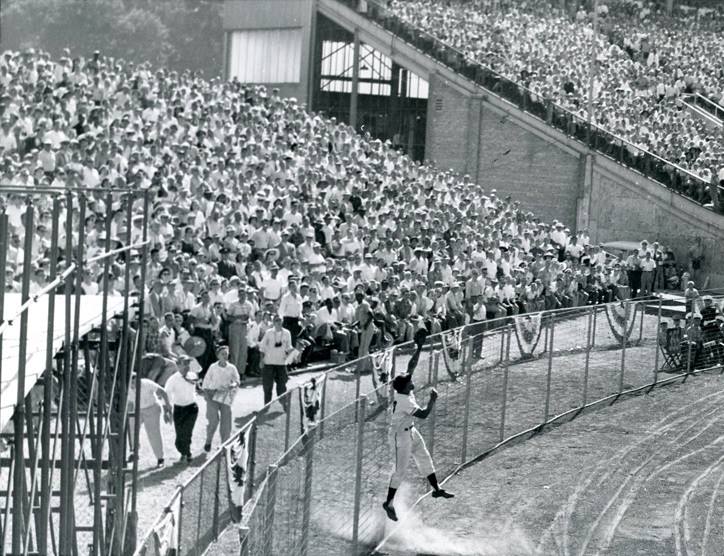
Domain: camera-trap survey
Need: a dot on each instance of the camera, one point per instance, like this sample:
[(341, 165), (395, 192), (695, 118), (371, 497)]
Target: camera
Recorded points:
[(278, 345)]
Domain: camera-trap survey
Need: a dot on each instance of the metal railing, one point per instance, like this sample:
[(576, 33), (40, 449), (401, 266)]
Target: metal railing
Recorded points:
[(320, 491), (597, 138), (716, 110)]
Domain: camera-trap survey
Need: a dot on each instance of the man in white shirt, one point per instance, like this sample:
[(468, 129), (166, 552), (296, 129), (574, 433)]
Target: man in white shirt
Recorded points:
[(272, 286), (290, 310), (408, 441), (648, 266), (154, 404), (220, 384), (181, 390), (275, 346)]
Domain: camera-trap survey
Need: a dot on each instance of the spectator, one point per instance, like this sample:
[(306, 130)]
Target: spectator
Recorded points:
[(275, 346), (154, 405), (181, 389), (219, 386)]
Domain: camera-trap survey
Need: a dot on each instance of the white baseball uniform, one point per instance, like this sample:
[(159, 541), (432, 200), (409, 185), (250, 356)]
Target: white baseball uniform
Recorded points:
[(407, 440)]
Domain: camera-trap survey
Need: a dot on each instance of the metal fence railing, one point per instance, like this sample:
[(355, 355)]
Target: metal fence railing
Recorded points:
[(318, 490)]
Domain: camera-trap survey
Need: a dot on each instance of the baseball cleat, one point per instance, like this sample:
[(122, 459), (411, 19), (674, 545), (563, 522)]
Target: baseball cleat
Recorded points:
[(390, 511), (440, 493)]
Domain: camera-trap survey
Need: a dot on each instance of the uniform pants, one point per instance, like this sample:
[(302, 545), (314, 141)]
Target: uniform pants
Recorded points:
[(217, 414), (409, 442), (151, 422), (238, 349), (270, 375), (184, 419)]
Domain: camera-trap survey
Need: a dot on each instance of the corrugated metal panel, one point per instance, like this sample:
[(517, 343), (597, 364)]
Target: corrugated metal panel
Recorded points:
[(266, 56)]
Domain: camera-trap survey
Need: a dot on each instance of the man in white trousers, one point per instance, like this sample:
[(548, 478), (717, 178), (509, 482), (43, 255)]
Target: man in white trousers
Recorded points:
[(406, 438), (155, 405)]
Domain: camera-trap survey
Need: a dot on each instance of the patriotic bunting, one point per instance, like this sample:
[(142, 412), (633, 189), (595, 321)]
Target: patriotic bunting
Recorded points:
[(527, 333), (621, 319), (452, 341), (311, 402), (237, 459)]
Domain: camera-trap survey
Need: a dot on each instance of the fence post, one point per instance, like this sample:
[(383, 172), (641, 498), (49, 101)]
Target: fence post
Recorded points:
[(467, 365), (221, 455), (658, 346), (550, 368), (288, 418), (252, 460), (593, 334), (641, 323), (307, 503), (244, 541), (361, 408), (323, 408), (200, 509), (431, 440), (623, 358), (502, 344), (589, 326), (688, 360), (357, 387), (504, 405), (271, 495), (180, 523)]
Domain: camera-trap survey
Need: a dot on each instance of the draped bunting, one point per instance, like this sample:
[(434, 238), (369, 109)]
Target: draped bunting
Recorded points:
[(164, 538), (527, 333), (452, 350), (621, 319), (237, 458), (382, 362), (311, 402)]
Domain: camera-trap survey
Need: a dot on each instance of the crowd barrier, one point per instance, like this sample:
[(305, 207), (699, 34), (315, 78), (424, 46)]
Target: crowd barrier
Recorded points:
[(573, 125), (315, 485)]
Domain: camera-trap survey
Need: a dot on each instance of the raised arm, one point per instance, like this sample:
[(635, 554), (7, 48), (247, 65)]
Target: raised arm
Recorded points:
[(412, 364)]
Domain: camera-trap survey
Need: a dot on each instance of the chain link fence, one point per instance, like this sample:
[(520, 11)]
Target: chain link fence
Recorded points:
[(316, 487)]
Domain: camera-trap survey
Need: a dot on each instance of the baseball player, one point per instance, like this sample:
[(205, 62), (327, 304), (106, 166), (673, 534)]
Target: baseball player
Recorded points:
[(407, 439)]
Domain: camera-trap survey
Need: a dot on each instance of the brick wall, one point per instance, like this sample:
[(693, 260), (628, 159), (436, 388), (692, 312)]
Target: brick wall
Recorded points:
[(472, 136), (625, 206), (543, 175), (448, 123)]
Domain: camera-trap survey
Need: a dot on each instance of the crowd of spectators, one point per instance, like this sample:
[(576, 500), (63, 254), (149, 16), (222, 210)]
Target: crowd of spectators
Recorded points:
[(261, 209), (647, 62)]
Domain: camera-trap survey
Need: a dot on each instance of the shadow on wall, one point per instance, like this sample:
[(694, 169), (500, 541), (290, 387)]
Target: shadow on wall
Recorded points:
[(174, 34)]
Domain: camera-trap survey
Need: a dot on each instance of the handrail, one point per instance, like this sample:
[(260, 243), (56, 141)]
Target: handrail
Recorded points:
[(716, 110), (463, 57)]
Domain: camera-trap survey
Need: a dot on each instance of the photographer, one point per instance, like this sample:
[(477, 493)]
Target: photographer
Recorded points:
[(275, 346)]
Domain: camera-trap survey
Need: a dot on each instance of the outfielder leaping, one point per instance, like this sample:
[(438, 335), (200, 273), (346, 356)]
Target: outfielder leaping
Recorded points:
[(407, 439)]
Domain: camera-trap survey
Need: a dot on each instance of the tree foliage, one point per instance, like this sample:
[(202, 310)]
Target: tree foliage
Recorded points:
[(176, 34)]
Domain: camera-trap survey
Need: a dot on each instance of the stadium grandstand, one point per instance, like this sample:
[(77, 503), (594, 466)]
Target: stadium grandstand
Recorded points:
[(322, 191)]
